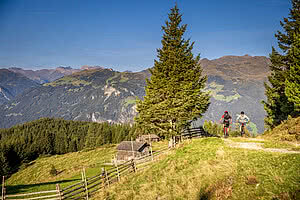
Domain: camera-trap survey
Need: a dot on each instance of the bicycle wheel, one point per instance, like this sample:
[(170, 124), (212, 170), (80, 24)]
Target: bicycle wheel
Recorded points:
[(242, 131)]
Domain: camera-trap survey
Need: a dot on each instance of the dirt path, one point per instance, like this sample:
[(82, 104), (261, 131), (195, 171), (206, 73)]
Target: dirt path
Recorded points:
[(255, 146)]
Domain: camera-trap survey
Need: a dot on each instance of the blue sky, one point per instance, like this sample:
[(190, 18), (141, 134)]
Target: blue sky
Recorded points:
[(124, 34)]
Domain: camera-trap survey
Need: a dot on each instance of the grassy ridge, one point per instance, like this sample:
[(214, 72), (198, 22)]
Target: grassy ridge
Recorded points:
[(199, 169), (287, 131), (208, 169), (36, 177)]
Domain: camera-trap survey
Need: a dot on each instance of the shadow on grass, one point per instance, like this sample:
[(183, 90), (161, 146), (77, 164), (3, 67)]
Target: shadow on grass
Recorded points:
[(16, 189), (205, 194)]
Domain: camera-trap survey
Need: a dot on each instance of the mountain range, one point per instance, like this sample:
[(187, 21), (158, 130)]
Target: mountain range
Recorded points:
[(95, 93)]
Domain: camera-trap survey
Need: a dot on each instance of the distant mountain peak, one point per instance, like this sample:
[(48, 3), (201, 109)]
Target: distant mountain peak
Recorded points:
[(62, 67), (87, 67), (231, 67)]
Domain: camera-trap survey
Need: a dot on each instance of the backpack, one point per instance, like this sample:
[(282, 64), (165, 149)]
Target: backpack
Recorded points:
[(226, 119)]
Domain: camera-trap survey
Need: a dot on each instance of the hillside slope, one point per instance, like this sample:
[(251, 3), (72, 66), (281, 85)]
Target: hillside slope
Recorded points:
[(98, 94), (91, 95), (209, 169), (45, 75), (288, 130), (13, 84), (205, 168), (237, 84)]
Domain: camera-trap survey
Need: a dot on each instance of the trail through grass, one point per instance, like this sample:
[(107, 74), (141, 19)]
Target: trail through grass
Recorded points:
[(199, 169), (209, 169)]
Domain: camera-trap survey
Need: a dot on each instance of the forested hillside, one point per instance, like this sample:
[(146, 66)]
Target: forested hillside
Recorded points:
[(13, 84), (96, 95), (24, 143), (235, 82)]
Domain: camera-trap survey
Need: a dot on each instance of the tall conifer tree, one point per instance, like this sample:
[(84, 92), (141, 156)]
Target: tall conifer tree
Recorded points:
[(292, 82), (174, 93), (280, 103)]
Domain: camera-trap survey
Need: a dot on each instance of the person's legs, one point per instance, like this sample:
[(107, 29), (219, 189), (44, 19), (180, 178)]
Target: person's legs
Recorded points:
[(243, 129), (228, 129), (225, 130)]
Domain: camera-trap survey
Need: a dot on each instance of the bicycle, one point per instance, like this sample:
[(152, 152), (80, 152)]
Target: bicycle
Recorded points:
[(242, 129), (226, 130)]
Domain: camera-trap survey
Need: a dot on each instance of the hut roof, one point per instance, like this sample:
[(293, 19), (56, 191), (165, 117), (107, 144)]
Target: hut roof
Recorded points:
[(131, 145)]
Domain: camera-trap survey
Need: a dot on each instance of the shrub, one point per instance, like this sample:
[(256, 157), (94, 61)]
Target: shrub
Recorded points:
[(53, 171)]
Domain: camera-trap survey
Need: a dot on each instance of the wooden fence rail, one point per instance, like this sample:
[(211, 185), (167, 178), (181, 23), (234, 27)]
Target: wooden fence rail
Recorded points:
[(88, 186), (49, 195)]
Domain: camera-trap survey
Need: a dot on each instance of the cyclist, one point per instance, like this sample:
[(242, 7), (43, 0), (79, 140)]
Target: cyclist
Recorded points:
[(243, 120), (226, 120)]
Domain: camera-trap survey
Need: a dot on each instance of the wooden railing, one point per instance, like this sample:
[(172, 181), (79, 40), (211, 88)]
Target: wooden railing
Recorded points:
[(49, 195), (87, 186), (195, 132)]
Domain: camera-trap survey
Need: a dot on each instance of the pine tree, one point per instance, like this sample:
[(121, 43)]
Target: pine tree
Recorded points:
[(292, 90), (174, 93), (280, 103)]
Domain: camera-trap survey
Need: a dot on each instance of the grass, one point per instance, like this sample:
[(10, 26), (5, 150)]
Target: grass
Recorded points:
[(36, 176), (215, 88), (208, 169), (281, 145), (199, 169), (67, 80), (221, 97), (244, 139), (289, 130), (270, 143), (129, 101), (110, 80), (124, 77)]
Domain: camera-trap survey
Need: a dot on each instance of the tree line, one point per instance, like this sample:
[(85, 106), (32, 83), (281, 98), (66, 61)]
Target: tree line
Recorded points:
[(283, 88), (175, 93), (47, 136)]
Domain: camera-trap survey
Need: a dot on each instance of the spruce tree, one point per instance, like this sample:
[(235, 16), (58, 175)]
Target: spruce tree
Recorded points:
[(280, 103), (292, 90), (174, 93)]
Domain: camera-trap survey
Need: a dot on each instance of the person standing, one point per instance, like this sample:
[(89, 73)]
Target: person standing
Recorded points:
[(226, 120)]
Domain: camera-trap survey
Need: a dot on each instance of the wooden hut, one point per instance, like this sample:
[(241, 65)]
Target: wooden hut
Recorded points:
[(128, 150), (148, 138)]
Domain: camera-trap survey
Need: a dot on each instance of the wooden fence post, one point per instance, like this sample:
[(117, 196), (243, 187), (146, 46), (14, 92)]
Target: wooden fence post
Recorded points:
[(133, 165), (85, 183), (151, 152), (58, 191), (174, 141), (170, 143), (103, 176), (116, 165), (3, 188), (106, 178)]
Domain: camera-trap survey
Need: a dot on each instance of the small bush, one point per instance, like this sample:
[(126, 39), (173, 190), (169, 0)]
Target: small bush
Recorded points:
[(53, 171)]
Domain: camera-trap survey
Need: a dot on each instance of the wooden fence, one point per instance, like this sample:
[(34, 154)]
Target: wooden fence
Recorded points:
[(87, 186), (195, 132), (49, 195)]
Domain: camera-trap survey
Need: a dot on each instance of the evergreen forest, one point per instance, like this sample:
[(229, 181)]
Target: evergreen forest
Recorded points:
[(24, 143)]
